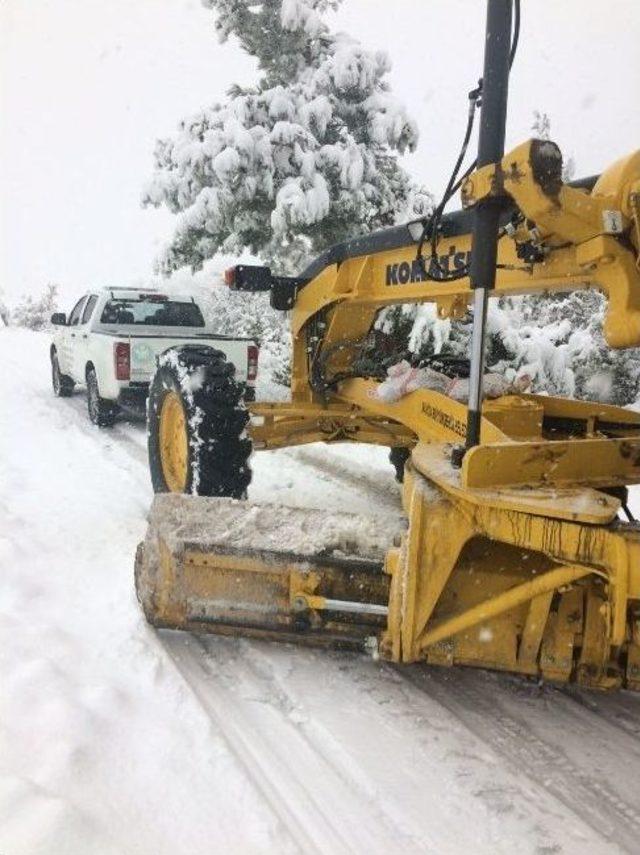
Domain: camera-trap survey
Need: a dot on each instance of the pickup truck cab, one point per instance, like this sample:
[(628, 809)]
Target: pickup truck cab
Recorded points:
[(112, 337)]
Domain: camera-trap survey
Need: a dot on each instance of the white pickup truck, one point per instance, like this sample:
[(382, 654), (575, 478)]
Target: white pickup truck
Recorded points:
[(111, 340)]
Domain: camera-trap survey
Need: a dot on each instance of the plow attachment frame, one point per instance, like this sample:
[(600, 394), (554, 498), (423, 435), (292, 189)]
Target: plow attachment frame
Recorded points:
[(499, 588)]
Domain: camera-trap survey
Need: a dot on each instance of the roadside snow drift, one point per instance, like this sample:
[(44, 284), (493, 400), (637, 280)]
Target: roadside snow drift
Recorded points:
[(104, 748)]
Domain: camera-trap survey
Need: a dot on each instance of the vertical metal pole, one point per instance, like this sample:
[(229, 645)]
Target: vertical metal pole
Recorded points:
[(495, 85)]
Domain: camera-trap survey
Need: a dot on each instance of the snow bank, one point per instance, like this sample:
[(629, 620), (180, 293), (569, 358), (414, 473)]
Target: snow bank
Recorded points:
[(99, 731)]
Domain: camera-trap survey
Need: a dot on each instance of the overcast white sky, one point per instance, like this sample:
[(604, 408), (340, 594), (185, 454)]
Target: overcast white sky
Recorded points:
[(87, 86)]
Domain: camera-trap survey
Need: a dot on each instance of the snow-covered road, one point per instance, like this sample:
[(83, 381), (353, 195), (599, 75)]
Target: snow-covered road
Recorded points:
[(117, 739)]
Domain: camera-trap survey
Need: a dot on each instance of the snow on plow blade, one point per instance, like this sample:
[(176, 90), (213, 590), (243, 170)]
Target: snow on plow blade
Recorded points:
[(230, 567)]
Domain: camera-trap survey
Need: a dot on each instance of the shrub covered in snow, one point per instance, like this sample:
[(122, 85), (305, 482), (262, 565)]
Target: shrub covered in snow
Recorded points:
[(4, 312), (35, 312), (305, 158), (555, 339)]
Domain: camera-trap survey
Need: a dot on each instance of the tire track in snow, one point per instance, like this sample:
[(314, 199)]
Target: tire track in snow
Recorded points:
[(611, 718), (621, 712), (129, 435), (320, 808), (135, 447), (386, 689), (433, 760), (258, 662), (480, 709)]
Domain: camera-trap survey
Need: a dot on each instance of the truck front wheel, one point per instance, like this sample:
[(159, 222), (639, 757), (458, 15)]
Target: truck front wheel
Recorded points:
[(62, 385), (101, 412), (196, 422)]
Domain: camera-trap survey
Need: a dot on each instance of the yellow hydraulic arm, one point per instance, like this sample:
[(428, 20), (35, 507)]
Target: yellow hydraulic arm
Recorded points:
[(557, 238)]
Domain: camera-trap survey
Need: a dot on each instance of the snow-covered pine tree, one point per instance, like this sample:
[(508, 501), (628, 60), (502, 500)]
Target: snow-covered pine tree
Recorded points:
[(556, 340), (305, 158)]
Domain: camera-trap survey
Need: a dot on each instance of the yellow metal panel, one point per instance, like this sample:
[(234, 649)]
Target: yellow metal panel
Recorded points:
[(596, 462), (518, 417), (556, 656), (494, 609), (633, 667), (534, 630), (595, 640), (571, 408), (570, 503), (548, 581), (431, 416), (619, 180)]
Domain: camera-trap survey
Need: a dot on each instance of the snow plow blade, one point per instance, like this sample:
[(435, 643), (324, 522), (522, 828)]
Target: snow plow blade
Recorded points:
[(236, 568)]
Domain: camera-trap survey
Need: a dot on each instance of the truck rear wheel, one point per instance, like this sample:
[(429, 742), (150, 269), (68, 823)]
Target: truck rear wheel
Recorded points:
[(196, 422)]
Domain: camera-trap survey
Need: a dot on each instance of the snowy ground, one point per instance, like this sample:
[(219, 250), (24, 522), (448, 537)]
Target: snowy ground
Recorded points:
[(116, 739)]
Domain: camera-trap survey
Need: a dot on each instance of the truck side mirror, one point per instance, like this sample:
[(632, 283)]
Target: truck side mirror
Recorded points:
[(59, 319)]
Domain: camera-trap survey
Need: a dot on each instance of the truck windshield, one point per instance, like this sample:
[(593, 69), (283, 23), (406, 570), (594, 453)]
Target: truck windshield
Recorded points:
[(152, 312)]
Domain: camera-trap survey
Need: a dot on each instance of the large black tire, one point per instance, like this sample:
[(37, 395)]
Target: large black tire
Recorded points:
[(62, 384), (101, 412), (215, 418)]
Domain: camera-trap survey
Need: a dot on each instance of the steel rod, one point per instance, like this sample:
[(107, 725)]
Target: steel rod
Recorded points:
[(495, 85)]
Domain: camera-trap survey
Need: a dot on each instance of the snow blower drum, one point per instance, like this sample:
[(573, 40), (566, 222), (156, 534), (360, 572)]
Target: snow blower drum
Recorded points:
[(223, 566)]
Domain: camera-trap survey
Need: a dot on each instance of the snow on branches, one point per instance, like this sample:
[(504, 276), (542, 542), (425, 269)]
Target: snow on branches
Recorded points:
[(554, 339), (309, 154)]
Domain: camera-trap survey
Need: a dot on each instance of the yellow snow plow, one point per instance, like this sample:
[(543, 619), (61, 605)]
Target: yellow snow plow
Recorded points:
[(512, 554)]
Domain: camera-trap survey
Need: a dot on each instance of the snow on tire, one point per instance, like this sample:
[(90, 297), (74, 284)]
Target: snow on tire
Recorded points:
[(211, 425)]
